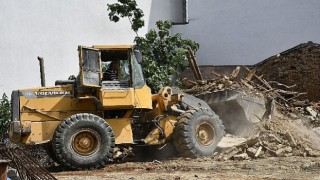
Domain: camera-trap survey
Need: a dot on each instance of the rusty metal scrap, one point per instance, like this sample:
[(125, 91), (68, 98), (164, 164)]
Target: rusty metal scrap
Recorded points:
[(27, 167)]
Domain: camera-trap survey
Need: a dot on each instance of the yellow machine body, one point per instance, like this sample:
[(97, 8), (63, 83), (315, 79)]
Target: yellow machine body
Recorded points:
[(37, 112)]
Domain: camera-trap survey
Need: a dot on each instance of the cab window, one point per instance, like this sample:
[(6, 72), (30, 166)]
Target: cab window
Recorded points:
[(115, 67)]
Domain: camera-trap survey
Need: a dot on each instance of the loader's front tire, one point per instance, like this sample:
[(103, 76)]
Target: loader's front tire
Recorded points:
[(83, 141), (197, 133)]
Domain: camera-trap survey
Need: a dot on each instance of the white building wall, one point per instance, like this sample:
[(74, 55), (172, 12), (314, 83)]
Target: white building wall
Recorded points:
[(248, 31), (53, 29), (229, 32)]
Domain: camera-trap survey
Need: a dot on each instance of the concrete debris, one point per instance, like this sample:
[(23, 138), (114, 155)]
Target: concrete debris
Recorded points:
[(242, 156), (229, 141), (230, 153), (280, 152), (251, 151), (311, 111), (248, 143), (274, 137), (291, 139), (310, 166), (258, 152), (121, 153)]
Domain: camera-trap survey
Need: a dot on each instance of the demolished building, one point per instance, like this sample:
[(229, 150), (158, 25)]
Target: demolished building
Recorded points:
[(298, 67), (293, 129)]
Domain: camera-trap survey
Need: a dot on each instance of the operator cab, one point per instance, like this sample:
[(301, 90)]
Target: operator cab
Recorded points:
[(110, 67), (116, 71)]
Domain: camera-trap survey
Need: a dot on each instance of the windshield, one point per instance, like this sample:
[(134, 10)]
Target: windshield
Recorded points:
[(138, 80)]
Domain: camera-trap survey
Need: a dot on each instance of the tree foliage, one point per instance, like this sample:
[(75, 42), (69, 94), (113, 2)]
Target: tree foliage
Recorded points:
[(127, 8), (163, 53), (5, 114)]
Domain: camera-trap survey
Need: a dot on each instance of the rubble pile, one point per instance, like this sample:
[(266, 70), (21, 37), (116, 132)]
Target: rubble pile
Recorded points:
[(276, 137), (309, 111), (251, 84), (211, 85), (254, 85), (288, 133)]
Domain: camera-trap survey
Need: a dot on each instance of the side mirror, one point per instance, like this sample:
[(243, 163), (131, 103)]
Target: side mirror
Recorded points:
[(137, 53)]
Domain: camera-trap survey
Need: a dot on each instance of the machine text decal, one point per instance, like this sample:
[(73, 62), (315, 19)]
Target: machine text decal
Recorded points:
[(52, 93)]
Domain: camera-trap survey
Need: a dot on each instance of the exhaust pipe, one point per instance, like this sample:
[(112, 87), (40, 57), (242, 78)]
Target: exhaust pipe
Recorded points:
[(42, 75)]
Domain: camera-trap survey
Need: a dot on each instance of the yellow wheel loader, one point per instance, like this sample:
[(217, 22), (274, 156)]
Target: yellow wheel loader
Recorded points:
[(83, 120)]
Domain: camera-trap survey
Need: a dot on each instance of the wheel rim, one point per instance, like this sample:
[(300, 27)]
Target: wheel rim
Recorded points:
[(85, 142), (205, 134)]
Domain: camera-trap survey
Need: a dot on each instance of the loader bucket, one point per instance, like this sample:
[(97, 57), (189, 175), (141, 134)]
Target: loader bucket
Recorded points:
[(237, 111)]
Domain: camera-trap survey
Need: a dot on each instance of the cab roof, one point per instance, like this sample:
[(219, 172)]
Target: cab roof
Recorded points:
[(112, 47)]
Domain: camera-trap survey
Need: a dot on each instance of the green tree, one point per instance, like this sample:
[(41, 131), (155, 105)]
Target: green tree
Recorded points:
[(163, 53), (129, 9), (5, 115)]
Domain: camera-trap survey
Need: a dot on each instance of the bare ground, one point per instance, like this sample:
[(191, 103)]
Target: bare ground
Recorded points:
[(264, 167), (204, 168)]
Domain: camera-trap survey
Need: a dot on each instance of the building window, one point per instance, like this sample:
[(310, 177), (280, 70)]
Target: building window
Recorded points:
[(183, 13)]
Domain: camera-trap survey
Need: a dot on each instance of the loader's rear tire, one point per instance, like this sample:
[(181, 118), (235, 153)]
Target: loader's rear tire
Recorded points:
[(197, 133), (83, 141)]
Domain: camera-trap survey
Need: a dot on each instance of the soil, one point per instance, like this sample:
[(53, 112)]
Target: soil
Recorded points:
[(151, 164), (204, 168), (163, 164)]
